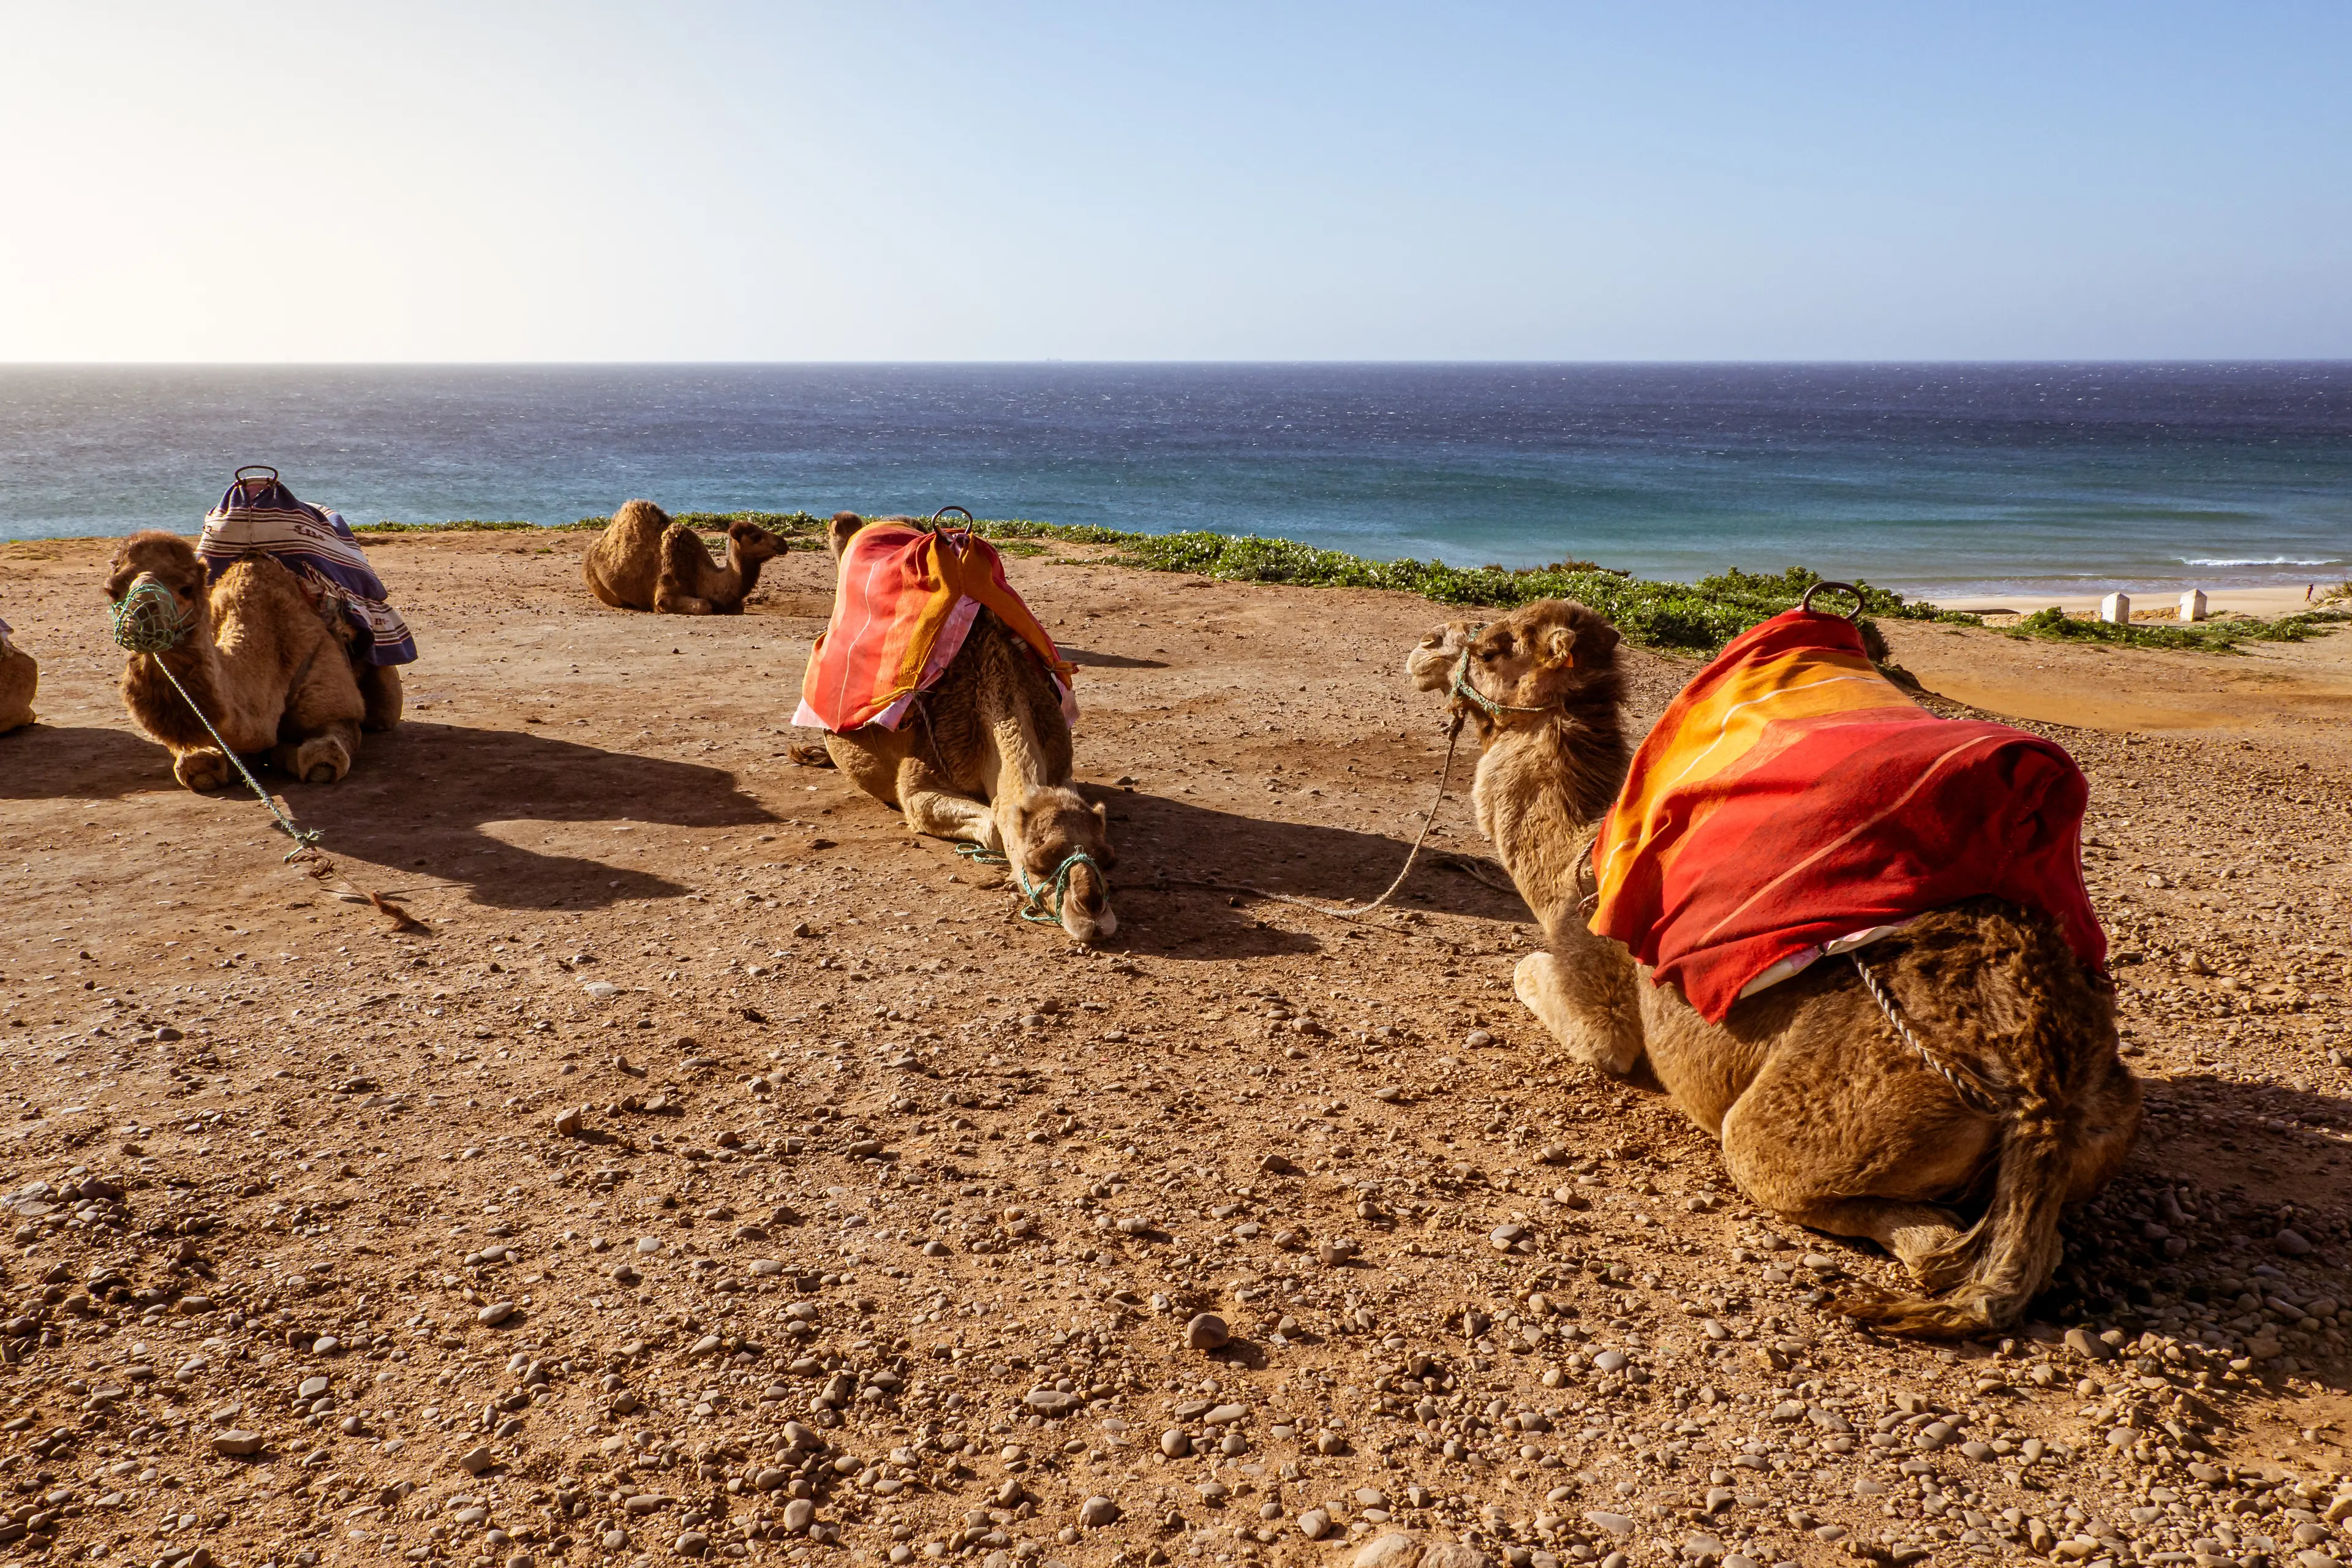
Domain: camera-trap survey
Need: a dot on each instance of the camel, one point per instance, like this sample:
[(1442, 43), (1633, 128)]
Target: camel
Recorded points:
[(985, 759), (1824, 1116), (270, 666), (643, 561), (20, 677)]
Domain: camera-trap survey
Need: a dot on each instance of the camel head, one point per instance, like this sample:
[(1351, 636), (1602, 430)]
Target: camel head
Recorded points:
[(1540, 656), (750, 545), (837, 531), (1050, 825), (171, 560)]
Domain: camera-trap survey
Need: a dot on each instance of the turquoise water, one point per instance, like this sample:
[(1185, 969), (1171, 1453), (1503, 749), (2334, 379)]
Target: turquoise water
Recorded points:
[(1956, 481)]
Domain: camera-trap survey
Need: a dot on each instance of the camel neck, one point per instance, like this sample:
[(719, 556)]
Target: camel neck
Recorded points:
[(746, 572)]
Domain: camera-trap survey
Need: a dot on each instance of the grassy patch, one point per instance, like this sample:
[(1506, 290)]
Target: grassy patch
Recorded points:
[(1697, 617), (464, 525), (2055, 625)]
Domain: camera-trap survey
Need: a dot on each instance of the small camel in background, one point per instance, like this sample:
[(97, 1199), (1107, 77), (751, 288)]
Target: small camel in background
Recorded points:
[(644, 560)]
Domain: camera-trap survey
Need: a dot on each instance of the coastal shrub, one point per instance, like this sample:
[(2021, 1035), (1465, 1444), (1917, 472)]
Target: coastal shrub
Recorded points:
[(2213, 637)]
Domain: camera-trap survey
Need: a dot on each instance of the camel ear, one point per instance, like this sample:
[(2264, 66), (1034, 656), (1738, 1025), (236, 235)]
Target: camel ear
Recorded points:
[(1105, 858), (1559, 646), (838, 532), (1588, 642)]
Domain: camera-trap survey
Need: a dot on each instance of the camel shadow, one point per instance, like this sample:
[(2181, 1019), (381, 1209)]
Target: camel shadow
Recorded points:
[(1164, 842), (421, 796), (91, 761), (1085, 660)]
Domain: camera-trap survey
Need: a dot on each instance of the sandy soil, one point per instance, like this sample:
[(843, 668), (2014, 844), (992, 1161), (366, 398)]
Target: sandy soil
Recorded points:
[(886, 1213)]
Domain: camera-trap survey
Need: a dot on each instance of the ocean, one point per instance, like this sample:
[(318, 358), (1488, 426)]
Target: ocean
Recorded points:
[(1959, 482)]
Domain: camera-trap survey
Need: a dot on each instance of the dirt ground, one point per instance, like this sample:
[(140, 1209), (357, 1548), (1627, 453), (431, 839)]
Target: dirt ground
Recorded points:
[(878, 1235)]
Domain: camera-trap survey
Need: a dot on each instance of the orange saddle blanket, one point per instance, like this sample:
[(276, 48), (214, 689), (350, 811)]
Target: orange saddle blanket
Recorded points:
[(905, 599)]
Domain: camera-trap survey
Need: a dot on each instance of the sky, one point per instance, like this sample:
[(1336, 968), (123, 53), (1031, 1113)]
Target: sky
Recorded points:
[(516, 182)]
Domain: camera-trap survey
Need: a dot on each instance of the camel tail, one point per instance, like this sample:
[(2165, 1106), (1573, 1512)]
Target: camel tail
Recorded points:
[(2069, 1110), (1985, 1278)]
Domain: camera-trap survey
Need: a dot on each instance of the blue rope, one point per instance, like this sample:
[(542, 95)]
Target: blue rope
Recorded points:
[(1034, 906), (148, 620)]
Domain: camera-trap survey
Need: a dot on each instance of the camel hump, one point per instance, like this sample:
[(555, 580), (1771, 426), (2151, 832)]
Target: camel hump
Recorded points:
[(636, 514)]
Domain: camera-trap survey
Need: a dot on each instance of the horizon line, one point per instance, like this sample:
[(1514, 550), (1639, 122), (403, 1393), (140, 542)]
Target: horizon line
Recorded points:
[(7, 364)]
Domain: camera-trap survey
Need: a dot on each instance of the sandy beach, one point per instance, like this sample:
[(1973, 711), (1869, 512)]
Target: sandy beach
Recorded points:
[(2159, 603), (879, 1234)]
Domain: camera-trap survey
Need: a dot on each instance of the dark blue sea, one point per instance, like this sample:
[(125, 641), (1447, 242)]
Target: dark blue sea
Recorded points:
[(1957, 481)]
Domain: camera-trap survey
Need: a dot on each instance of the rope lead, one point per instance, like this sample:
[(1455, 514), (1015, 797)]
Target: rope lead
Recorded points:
[(1034, 906)]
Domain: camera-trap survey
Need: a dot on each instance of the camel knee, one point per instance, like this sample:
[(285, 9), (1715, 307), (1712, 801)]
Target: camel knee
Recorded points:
[(380, 692), (319, 760), (951, 817), (1915, 1234), (204, 768), (1602, 1036), (668, 601)]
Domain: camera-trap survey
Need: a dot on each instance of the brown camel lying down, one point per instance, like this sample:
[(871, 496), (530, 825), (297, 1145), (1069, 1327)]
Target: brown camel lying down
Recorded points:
[(1826, 1118), (270, 669), (985, 759), (643, 561), (20, 677)]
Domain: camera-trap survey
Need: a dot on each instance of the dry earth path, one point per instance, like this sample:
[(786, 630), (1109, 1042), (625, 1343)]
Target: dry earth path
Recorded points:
[(879, 1233)]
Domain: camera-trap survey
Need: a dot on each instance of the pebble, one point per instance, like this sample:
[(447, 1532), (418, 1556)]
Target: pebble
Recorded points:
[(312, 1387), (237, 1444), (1314, 1524), (1050, 1401), (2088, 1345), (693, 1544), (1615, 1523), (1610, 1361), (1207, 1333), (797, 1514), (2291, 1243), (494, 1314), (1174, 1443), (474, 1461), (1097, 1511)]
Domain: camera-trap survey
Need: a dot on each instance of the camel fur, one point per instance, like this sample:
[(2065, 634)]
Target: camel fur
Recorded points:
[(1826, 1117), (985, 759), (643, 561), (20, 677), (270, 668)]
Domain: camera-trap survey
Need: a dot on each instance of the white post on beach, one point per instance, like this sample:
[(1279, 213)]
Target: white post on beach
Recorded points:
[(2116, 609), (2192, 604)]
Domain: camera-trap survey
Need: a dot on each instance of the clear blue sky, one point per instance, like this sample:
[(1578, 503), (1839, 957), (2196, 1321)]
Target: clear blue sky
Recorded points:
[(900, 182)]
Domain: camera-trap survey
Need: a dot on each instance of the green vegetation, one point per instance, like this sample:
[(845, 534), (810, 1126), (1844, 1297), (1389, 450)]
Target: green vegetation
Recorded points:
[(2212, 636), (464, 525), (1697, 617)]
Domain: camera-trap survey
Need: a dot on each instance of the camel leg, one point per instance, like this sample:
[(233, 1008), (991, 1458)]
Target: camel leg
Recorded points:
[(1913, 1232), (1588, 1002), (202, 768), (669, 600), (380, 689), (323, 756)]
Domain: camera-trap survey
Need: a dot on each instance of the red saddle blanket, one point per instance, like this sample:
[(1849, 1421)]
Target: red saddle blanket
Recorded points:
[(1792, 800), (904, 600)]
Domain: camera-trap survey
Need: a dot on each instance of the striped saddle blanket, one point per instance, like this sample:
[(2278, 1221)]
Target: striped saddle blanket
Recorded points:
[(903, 602), (1793, 801), (261, 517)]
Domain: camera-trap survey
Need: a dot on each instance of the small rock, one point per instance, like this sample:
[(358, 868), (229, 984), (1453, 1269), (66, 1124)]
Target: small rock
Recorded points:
[(1394, 1550), (797, 1514), (311, 1387), (2088, 1345), (1050, 1401), (601, 990), (693, 1544), (1174, 1443), (1615, 1523), (237, 1444), (2291, 1243), (568, 1123), (1207, 1333), (1277, 1165), (1610, 1361), (1478, 1039), (494, 1314), (1097, 1511), (474, 1461), (1225, 1414), (1314, 1524), (1702, 1549)]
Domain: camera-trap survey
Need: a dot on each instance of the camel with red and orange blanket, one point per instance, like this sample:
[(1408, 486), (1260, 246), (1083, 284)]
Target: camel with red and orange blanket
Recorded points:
[(1848, 938), (940, 694)]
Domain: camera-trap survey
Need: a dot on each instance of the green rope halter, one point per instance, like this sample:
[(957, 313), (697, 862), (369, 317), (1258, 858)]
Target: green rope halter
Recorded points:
[(149, 619), (1462, 688), (1035, 907)]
